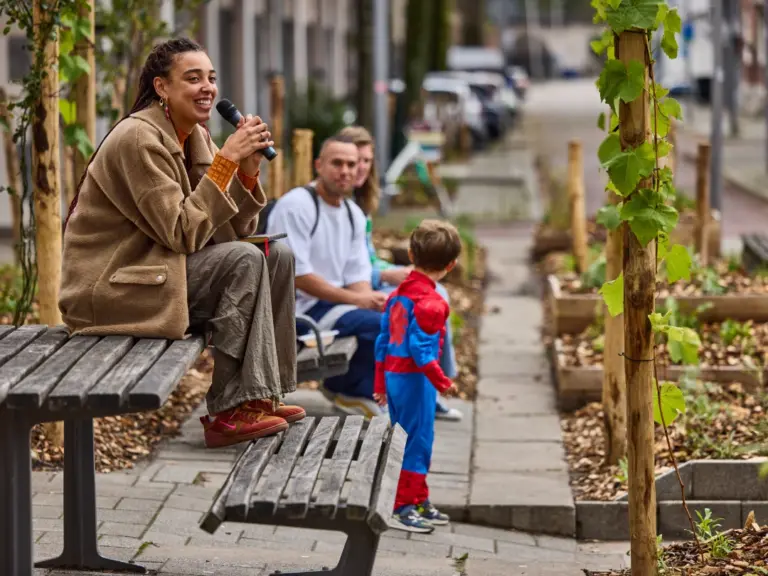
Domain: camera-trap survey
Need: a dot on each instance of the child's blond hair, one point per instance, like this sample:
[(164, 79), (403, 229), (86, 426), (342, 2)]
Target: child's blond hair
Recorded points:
[(434, 245)]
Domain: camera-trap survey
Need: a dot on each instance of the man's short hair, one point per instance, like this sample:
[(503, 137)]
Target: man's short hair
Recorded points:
[(338, 137), (434, 245)]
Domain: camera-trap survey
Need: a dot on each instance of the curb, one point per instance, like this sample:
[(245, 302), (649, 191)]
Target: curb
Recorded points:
[(729, 488)]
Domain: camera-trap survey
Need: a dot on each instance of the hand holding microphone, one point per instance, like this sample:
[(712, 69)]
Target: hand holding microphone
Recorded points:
[(252, 135)]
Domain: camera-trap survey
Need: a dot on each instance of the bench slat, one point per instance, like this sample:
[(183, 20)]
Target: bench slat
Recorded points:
[(327, 501), (387, 479), (217, 513), (268, 498), (113, 388), (32, 390), (154, 388), (6, 329), (29, 358), (87, 372), (305, 476), (339, 352), (238, 499), (14, 342), (359, 499)]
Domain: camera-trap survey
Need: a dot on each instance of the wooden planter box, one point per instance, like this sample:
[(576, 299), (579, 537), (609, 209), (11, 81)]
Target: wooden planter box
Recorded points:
[(578, 386), (573, 313)]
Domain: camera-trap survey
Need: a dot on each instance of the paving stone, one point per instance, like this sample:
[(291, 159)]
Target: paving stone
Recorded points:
[(297, 544), (469, 542), (519, 457), (136, 504), (41, 480), (171, 515), (555, 543), (53, 538), (257, 531), (331, 548), (122, 529), (602, 520), (117, 478), (523, 402), (494, 363), (161, 537), (187, 473), (519, 428), (195, 491), (521, 553), (51, 512), (673, 521), (284, 533), (501, 535), (185, 503), (122, 542), (47, 524), (125, 516), (414, 547), (145, 491)]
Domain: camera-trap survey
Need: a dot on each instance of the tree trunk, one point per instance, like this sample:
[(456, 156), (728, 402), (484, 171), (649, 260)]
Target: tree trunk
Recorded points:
[(578, 209), (417, 42), (473, 18), (614, 384), (441, 34), (46, 188), (365, 63), (275, 186), (14, 175), (85, 89), (702, 203), (639, 303)]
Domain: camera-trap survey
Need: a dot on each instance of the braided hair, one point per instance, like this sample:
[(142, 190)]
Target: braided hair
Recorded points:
[(158, 63)]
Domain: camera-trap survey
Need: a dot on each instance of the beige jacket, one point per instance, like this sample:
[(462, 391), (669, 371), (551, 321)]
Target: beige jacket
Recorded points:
[(137, 216)]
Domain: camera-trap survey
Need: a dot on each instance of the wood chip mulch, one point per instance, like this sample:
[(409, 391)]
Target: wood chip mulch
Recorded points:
[(122, 441), (467, 303), (723, 344), (721, 422), (748, 556)]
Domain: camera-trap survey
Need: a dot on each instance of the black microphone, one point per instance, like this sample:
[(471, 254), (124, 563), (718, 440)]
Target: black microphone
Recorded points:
[(232, 115)]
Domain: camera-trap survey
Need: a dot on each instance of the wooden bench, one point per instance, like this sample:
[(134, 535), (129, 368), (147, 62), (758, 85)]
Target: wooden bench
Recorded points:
[(755, 252), (45, 376), (322, 474)]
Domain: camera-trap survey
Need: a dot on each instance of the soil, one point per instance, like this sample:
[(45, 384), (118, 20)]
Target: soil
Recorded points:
[(723, 344), (122, 441), (725, 276), (721, 422), (465, 285), (731, 553)]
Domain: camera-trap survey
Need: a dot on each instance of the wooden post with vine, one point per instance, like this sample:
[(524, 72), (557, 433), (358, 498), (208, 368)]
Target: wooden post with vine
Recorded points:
[(85, 86), (633, 154)]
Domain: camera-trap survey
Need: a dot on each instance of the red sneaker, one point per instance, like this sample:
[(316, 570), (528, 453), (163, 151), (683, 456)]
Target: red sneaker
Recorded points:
[(239, 425), (286, 412)]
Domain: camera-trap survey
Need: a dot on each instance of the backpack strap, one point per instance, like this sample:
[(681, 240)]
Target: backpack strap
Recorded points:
[(313, 192)]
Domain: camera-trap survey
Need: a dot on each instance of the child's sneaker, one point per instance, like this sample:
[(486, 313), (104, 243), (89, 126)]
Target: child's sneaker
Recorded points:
[(432, 514), (407, 519)]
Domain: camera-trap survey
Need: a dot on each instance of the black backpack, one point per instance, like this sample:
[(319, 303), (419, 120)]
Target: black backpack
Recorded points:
[(261, 227)]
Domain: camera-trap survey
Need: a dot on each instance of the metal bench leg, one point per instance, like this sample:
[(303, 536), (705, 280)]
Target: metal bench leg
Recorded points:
[(15, 495), (357, 558), (81, 549)]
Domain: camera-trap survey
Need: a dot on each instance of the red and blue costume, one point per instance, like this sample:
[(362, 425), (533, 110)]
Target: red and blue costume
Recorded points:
[(408, 371)]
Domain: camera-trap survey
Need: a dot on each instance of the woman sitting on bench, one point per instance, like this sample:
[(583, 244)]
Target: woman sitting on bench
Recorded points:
[(151, 250)]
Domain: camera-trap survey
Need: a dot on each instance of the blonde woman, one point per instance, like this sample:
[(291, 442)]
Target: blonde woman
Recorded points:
[(387, 276)]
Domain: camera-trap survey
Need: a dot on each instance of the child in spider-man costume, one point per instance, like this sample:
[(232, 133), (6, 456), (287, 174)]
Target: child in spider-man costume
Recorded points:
[(408, 372)]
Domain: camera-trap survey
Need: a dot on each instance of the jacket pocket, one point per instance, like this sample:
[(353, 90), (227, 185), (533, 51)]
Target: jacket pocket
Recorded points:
[(146, 275)]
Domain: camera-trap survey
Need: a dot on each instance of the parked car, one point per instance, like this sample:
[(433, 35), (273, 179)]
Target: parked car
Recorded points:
[(518, 79), (469, 107)]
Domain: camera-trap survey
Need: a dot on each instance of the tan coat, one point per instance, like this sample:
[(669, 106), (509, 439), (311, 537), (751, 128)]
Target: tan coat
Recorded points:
[(137, 217)]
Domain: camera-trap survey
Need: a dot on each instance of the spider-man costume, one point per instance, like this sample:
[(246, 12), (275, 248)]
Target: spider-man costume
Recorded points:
[(408, 371)]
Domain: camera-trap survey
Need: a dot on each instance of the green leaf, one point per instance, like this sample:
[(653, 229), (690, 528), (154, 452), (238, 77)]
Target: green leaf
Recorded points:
[(672, 25), (678, 264), (672, 403), (614, 3), (686, 343), (662, 246), (68, 110), (609, 217), (601, 121), (613, 295), (629, 167), (623, 82), (633, 14), (82, 28), (4, 124), (659, 322), (609, 148), (75, 135), (671, 108), (647, 217)]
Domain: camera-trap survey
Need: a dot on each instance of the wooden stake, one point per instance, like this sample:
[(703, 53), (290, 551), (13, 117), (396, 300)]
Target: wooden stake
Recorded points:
[(85, 89), (614, 382), (702, 203), (277, 109), (639, 303), (46, 187), (302, 157), (578, 209), (14, 175)]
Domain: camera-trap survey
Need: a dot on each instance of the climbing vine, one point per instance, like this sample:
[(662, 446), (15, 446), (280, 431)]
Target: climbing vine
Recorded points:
[(67, 27), (636, 175)]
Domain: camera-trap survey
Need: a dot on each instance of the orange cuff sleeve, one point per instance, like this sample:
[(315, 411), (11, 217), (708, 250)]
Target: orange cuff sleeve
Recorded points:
[(249, 182), (221, 171)]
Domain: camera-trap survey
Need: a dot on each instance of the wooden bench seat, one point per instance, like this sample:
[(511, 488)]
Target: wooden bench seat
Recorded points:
[(323, 474)]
